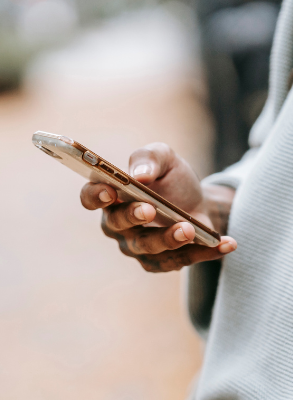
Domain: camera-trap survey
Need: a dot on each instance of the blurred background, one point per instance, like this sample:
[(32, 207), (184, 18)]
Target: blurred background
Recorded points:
[(77, 318)]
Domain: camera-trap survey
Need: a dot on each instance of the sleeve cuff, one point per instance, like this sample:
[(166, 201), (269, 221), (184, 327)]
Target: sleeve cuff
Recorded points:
[(233, 176)]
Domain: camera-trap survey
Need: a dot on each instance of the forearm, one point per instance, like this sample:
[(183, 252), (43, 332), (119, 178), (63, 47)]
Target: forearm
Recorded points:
[(217, 202)]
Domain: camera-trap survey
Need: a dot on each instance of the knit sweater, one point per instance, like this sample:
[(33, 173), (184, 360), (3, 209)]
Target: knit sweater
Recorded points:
[(249, 352)]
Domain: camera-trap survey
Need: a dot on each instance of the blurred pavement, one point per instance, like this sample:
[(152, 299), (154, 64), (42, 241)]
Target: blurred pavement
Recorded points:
[(78, 320)]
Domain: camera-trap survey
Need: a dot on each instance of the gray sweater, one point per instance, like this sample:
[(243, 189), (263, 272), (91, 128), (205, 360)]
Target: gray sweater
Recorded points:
[(249, 352)]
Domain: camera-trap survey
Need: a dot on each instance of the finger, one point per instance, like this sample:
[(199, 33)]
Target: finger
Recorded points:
[(151, 162), (97, 195), (227, 245), (128, 215), (158, 240), (187, 255)]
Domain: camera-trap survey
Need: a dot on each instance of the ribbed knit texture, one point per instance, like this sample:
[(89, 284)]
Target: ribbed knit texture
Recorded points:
[(249, 352)]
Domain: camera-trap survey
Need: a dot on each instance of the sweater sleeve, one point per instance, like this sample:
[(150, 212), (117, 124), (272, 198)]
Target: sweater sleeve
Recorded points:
[(234, 175)]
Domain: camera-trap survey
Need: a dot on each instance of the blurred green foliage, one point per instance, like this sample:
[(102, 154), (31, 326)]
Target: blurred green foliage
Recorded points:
[(13, 57)]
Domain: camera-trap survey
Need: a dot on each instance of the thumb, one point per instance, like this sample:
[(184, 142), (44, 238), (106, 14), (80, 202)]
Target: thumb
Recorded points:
[(196, 253), (151, 162)]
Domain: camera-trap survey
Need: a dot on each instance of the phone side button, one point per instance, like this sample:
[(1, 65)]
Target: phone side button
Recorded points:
[(106, 167), (90, 158), (121, 178)]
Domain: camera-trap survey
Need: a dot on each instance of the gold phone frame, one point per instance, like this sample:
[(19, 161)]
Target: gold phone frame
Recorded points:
[(76, 156)]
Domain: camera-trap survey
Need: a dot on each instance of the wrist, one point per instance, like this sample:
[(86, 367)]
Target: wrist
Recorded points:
[(217, 202)]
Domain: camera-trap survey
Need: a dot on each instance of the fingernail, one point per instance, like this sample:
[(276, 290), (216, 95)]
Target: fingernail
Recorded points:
[(142, 169), (138, 213), (227, 248), (105, 197), (179, 235)]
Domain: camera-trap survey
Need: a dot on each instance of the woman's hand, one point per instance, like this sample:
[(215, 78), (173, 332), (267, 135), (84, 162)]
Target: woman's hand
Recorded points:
[(158, 249)]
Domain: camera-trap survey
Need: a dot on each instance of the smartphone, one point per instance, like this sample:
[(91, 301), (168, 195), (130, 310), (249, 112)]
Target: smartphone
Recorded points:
[(96, 169)]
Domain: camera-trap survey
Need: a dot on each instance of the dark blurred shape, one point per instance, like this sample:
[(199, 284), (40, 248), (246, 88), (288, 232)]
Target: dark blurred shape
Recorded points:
[(11, 54), (203, 284), (236, 40)]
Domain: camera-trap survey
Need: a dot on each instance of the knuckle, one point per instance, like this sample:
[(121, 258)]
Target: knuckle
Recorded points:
[(162, 146), (150, 152), (128, 214), (145, 242), (121, 217), (149, 263), (87, 197), (124, 249), (168, 266), (113, 219), (105, 228), (183, 258), (148, 268), (84, 198), (168, 242), (139, 153), (87, 204), (144, 245), (145, 266), (159, 148)]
